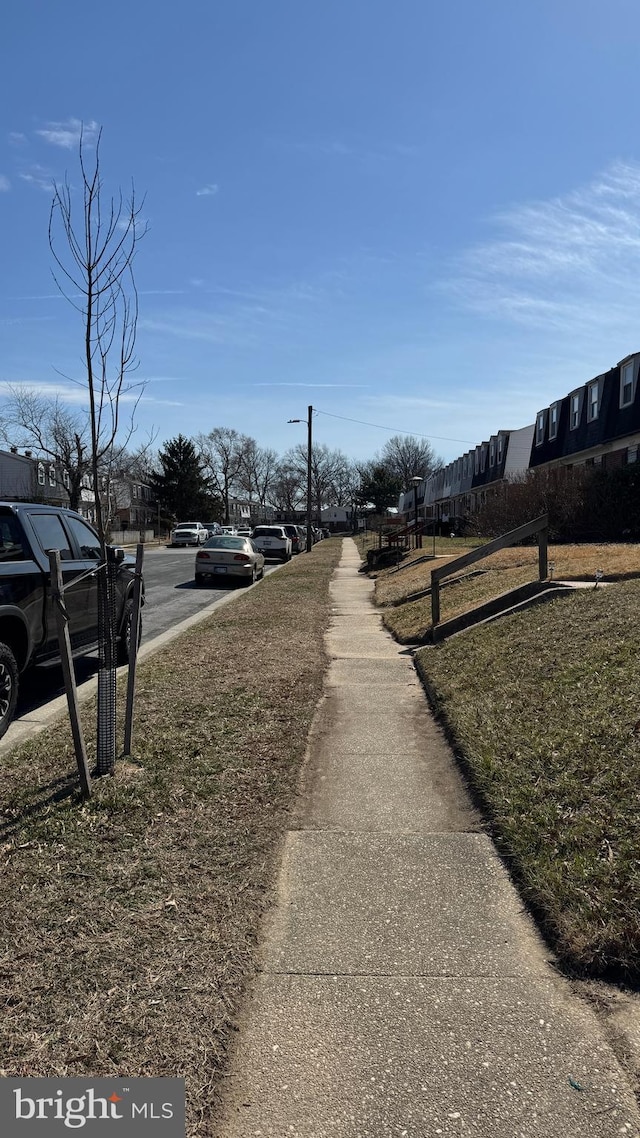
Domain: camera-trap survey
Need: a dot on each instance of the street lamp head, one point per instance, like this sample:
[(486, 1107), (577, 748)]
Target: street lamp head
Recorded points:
[(417, 478), (296, 420)]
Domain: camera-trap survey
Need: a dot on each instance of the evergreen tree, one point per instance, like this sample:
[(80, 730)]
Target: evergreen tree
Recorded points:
[(181, 487)]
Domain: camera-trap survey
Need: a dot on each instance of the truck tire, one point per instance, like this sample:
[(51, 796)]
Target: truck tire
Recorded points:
[(124, 640), (8, 687)]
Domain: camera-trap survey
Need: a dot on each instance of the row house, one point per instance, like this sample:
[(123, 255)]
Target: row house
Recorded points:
[(37, 478), (456, 490), (132, 504), (597, 424)]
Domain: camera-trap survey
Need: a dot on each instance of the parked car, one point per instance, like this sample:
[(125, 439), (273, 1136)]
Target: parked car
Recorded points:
[(189, 533), (302, 530), (297, 545), (231, 530), (212, 528), (224, 557), (244, 532), (273, 541), (28, 628)]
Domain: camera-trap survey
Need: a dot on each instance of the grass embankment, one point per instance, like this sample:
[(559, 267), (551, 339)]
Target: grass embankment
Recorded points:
[(129, 923), (544, 709), (410, 620)]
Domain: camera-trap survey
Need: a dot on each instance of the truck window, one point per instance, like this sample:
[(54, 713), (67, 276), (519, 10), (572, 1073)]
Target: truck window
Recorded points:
[(51, 534), (11, 544), (87, 540)]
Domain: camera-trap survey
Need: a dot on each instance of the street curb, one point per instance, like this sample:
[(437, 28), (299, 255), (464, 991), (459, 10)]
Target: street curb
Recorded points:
[(36, 721)]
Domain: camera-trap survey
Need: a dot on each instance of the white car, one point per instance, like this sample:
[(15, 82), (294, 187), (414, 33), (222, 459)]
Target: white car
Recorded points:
[(273, 541), (189, 533)]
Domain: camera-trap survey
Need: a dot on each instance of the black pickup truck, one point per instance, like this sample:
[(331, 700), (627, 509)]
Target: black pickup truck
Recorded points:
[(28, 630)]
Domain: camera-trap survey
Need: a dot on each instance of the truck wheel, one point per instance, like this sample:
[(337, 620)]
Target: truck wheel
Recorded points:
[(124, 641), (8, 687)]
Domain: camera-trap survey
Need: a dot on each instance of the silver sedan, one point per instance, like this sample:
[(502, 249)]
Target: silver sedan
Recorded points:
[(224, 557)]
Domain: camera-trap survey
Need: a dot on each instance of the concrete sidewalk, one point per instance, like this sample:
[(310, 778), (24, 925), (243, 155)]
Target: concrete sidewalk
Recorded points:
[(403, 990)]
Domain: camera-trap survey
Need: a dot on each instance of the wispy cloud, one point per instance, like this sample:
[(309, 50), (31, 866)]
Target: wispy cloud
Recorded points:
[(67, 134), (278, 384), (570, 264), (16, 138), (207, 191), (38, 176), (77, 394), (5, 184), (338, 148)]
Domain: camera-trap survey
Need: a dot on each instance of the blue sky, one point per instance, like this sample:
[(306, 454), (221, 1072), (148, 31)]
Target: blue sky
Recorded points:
[(416, 215)]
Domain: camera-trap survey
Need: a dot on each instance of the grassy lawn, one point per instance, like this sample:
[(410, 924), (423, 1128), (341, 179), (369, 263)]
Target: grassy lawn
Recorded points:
[(410, 620), (129, 923), (544, 709)]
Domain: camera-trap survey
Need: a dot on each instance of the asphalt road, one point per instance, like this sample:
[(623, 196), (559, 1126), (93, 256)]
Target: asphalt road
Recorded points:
[(171, 596)]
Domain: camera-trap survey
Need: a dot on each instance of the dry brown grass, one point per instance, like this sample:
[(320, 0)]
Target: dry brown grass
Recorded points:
[(543, 709), (410, 620), (130, 922)]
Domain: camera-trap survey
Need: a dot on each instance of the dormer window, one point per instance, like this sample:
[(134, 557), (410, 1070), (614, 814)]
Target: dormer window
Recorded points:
[(593, 401), (483, 459), (540, 424), (492, 453), (52, 475), (628, 379), (41, 474), (476, 463), (500, 448), (553, 421), (575, 407)]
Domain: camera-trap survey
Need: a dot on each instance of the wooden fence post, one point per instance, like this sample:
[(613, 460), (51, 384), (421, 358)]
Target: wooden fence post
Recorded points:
[(543, 537), (64, 642), (435, 600)]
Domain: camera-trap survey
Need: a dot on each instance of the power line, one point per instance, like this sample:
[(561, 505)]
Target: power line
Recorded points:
[(394, 430)]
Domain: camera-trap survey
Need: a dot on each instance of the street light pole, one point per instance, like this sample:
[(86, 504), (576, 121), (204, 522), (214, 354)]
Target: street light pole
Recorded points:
[(416, 482), (308, 421)]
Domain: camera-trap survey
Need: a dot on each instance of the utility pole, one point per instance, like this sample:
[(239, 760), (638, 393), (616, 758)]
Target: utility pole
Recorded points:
[(309, 421)]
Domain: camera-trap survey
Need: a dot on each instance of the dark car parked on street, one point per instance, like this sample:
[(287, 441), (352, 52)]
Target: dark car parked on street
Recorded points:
[(28, 629)]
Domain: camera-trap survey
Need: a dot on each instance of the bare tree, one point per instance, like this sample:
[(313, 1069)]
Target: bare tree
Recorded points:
[(288, 488), (327, 468), (257, 470), (407, 457), (93, 241), (222, 452), (53, 431)]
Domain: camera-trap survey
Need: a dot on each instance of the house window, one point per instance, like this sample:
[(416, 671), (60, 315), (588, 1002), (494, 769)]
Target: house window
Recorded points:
[(500, 448), (483, 458), (492, 454), (540, 428), (574, 418), (553, 421), (627, 385), (41, 474), (65, 479), (593, 404), (52, 475), (476, 464), (632, 454)]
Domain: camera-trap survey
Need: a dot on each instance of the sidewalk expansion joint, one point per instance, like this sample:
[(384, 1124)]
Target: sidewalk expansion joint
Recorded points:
[(461, 976)]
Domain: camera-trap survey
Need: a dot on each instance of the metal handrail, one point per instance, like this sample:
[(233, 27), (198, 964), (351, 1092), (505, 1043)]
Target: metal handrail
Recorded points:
[(539, 526)]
